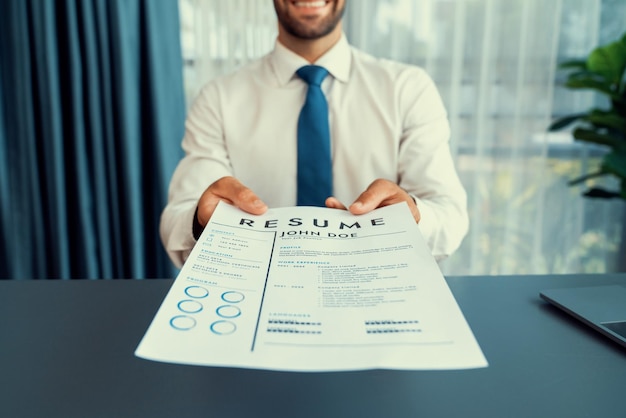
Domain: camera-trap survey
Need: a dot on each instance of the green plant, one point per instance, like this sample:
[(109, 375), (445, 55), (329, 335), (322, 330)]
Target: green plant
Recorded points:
[(603, 71)]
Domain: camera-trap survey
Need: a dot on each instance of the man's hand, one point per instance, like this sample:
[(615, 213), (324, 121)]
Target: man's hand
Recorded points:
[(380, 193), (230, 190)]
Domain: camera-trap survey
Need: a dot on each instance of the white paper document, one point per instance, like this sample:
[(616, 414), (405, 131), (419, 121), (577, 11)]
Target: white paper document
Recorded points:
[(311, 289)]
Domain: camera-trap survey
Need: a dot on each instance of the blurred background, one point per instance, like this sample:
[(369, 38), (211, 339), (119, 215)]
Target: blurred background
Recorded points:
[(94, 95)]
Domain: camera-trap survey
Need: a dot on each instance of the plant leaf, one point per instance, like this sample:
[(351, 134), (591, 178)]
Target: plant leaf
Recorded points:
[(615, 163), (580, 64), (585, 82), (600, 193), (589, 135), (590, 76), (586, 177), (610, 119), (565, 121), (609, 61)]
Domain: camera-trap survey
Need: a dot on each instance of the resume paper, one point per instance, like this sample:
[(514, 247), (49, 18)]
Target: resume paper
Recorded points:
[(311, 289)]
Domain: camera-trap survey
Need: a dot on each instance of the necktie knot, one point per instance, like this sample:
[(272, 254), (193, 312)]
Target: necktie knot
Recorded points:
[(312, 74)]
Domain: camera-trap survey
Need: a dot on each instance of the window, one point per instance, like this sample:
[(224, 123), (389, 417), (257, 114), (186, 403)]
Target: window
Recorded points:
[(495, 64)]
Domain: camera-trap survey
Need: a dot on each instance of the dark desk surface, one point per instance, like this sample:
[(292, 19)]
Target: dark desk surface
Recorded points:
[(66, 350)]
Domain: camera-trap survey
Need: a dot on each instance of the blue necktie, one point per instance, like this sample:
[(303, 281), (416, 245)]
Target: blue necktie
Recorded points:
[(315, 177)]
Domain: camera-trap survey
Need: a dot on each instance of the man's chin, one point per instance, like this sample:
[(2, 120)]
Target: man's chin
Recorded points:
[(309, 32)]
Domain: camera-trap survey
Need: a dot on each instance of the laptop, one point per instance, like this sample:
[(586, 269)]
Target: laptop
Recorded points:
[(601, 307)]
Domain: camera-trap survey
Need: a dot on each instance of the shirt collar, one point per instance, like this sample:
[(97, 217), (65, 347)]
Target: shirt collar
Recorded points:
[(336, 60)]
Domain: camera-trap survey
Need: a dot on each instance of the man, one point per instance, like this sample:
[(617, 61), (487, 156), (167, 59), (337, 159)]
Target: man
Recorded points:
[(388, 133)]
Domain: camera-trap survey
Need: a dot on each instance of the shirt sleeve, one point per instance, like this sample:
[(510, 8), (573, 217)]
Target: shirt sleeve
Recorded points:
[(206, 160), (426, 167)]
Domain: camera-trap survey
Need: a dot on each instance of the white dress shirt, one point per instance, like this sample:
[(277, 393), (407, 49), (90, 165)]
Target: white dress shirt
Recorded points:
[(387, 121)]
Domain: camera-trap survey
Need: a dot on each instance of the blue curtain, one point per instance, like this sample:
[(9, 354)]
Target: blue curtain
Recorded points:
[(91, 115)]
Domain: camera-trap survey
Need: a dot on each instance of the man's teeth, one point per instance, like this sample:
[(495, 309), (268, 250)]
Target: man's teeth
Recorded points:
[(321, 3)]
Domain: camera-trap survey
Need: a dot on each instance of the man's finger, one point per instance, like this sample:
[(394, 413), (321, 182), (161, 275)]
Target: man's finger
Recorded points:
[(334, 203), (379, 193), (383, 193), (232, 191)]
